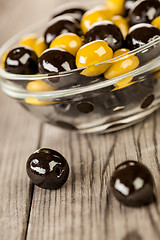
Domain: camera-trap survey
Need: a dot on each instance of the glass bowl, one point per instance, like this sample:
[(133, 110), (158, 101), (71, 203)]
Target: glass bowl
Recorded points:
[(89, 104)]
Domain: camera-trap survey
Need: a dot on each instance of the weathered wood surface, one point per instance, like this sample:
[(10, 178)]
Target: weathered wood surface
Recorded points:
[(84, 208)]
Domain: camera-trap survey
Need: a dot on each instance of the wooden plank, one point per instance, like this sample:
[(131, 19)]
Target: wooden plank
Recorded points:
[(19, 130), (85, 207), (19, 133)]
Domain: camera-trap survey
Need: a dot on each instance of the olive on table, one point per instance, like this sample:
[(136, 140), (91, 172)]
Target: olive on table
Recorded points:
[(47, 168), (133, 184)]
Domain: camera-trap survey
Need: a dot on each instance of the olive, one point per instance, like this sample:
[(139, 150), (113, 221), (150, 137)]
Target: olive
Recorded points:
[(37, 102), (59, 25), (21, 60), (73, 9), (115, 6), (3, 59), (122, 23), (128, 5), (93, 15), (28, 40), (35, 42), (71, 42), (55, 60), (39, 46), (107, 31), (133, 184), (144, 11), (156, 22), (141, 34), (121, 66), (39, 85), (47, 168), (92, 53)]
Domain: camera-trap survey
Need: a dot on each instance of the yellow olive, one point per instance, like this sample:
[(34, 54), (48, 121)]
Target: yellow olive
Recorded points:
[(39, 85), (3, 59), (122, 23), (39, 46), (156, 22), (71, 42), (94, 15), (92, 53), (28, 40), (35, 101), (122, 66), (125, 82), (120, 52), (115, 6), (157, 72)]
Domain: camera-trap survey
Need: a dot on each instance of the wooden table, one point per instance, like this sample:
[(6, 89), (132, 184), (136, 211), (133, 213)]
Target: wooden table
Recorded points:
[(84, 208)]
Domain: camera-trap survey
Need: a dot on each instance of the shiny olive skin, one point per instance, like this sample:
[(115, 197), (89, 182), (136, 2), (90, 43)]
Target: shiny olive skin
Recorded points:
[(55, 60), (128, 5), (75, 11), (116, 7), (141, 34), (71, 42), (47, 169), (133, 184), (59, 25), (144, 11), (107, 31), (21, 60)]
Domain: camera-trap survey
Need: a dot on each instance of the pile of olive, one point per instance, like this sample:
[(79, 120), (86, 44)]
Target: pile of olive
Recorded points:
[(78, 38)]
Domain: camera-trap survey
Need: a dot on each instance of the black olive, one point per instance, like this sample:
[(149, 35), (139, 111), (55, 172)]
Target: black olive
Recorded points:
[(144, 11), (47, 168), (76, 11), (21, 60), (59, 25), (133, 184), (128, 5), (55, 60), (107, 31), (141, 34)]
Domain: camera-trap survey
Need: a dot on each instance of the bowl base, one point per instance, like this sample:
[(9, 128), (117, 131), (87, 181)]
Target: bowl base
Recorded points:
[(120, 124)]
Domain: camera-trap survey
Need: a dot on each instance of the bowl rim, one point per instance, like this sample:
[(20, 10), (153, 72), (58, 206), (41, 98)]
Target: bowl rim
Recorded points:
[(69, 91)]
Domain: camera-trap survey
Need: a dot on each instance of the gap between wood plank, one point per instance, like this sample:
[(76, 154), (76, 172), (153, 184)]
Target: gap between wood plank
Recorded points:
[(31, 189)]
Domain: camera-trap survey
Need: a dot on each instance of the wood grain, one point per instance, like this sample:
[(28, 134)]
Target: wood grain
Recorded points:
[(84, 208), (14, 184)]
